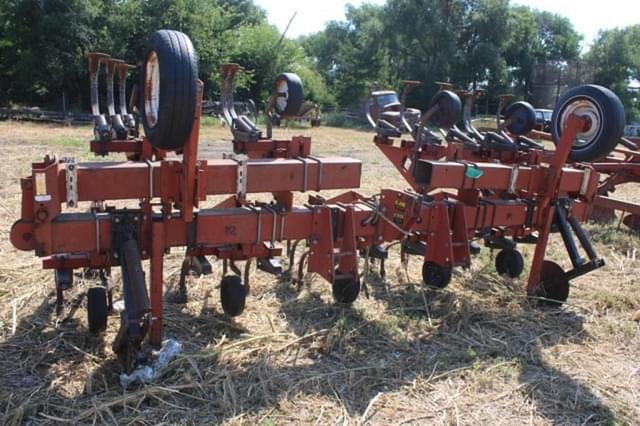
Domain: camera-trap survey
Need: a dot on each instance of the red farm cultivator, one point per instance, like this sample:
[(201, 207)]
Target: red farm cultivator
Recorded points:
[(499, 187)]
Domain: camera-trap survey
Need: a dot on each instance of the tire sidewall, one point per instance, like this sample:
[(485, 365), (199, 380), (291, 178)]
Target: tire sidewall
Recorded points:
[(178, 89), (610, 110)]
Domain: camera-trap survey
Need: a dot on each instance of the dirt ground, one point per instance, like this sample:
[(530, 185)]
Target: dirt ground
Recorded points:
[(475, 353)]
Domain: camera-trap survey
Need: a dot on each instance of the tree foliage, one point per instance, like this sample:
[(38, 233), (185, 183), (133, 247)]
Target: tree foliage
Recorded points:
[(489, 44), (43, 42), (615, 60), (472, 43)]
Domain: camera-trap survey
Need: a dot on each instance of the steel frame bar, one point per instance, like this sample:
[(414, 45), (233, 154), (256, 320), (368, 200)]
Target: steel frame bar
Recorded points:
[(616, 204), (161, 179)]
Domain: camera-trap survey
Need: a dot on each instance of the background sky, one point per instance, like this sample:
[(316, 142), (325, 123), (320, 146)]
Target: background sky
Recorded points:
[(587, 16)]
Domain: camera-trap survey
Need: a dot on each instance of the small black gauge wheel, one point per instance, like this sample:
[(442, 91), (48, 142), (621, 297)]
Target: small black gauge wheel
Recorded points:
[(233, 295), (509, 262), (435, 275), (554, 286), (449, 109), (520, 118), (345, 290), (97, 309)]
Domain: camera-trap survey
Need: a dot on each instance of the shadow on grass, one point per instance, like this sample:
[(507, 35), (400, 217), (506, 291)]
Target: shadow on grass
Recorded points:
[(351, 357)]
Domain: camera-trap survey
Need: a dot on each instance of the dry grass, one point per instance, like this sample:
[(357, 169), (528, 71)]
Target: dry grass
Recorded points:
[(480, 354)]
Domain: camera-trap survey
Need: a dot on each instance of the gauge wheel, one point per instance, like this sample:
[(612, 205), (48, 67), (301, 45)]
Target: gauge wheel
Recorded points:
[(509, 262), (289, 94), (521, 118), (169, 81), (233, 295), (345, 290), (554, 286), (97, 309), (435, 275), (605, 121), (449, 111)]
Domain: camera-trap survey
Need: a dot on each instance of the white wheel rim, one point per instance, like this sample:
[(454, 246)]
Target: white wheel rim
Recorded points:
[(152, 89), (586, 108), (283, 95)]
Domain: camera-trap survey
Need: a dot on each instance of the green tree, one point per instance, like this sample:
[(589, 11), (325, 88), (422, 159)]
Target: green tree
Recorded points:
[(352, 56), (615, 60), (535, 38), (43, 42), (478, 58), (264, 54), (522, 48), (43, 45)]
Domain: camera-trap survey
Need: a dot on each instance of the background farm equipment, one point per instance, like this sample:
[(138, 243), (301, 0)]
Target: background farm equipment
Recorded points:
[(309, 112), (521, 200), (45, 116), (385, 109)]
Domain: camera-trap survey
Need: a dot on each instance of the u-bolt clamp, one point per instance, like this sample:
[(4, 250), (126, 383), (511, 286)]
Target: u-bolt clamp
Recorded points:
[(116, 120), (101, 130), (127, 118)]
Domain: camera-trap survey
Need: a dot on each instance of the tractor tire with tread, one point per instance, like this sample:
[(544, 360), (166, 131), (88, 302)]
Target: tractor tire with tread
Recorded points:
[(169, 89)]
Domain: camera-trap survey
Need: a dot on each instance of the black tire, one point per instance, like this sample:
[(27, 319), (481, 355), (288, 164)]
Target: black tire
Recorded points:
[(435, 275), (233, 295), (345, 290), (290, 94), (607, 121), (509, 262), (168, 118), (522, 116), (450, 109), (97, 309)]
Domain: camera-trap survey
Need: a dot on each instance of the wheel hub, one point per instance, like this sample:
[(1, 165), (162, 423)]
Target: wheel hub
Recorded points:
[(589, 111)]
